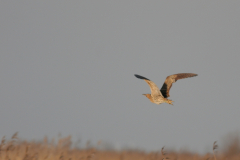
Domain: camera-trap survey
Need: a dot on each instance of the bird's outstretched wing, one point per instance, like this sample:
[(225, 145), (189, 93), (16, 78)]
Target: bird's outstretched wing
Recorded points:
[(172, 79), (154, 88)]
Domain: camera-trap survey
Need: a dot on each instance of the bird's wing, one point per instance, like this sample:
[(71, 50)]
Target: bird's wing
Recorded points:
[(172, 79), (154, 88)]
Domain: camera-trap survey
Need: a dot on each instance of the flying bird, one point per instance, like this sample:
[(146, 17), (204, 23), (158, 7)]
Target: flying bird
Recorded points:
[(160, 96)]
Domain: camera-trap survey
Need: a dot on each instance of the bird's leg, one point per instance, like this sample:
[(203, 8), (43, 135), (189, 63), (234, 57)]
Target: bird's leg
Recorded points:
[(169, 101)]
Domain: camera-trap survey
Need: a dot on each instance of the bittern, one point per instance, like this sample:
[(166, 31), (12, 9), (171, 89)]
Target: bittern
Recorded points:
[(160, 96)]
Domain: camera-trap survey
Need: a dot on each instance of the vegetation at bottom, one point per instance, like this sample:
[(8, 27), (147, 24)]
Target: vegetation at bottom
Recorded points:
[(64, 149)]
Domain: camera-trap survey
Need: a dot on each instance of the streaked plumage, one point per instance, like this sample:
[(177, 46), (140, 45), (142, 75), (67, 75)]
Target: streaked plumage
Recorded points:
[(160, 96)]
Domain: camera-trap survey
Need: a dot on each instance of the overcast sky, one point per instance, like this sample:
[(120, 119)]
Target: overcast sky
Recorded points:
[(68, 67)]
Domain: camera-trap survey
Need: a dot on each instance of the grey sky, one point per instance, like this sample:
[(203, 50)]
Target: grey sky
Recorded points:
[(68, 66)]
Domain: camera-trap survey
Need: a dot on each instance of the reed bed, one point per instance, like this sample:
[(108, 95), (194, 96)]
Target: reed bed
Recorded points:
[(64, 149)]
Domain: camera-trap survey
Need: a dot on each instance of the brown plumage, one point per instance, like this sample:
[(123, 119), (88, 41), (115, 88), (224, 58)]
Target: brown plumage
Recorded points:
[(160, 96)]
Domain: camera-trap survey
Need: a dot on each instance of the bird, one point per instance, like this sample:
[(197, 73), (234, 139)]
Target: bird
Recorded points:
[(159, 96)]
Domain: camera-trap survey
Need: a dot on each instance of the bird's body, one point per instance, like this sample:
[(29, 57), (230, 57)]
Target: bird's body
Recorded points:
[(160, 96)]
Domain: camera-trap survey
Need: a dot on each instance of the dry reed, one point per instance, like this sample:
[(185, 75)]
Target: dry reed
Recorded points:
[(64, 149)]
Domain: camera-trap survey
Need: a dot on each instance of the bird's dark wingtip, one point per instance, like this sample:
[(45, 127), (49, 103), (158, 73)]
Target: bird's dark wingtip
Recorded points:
[(140, 77)]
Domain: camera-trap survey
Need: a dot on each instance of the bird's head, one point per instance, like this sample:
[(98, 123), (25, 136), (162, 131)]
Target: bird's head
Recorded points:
[(148, 95)]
